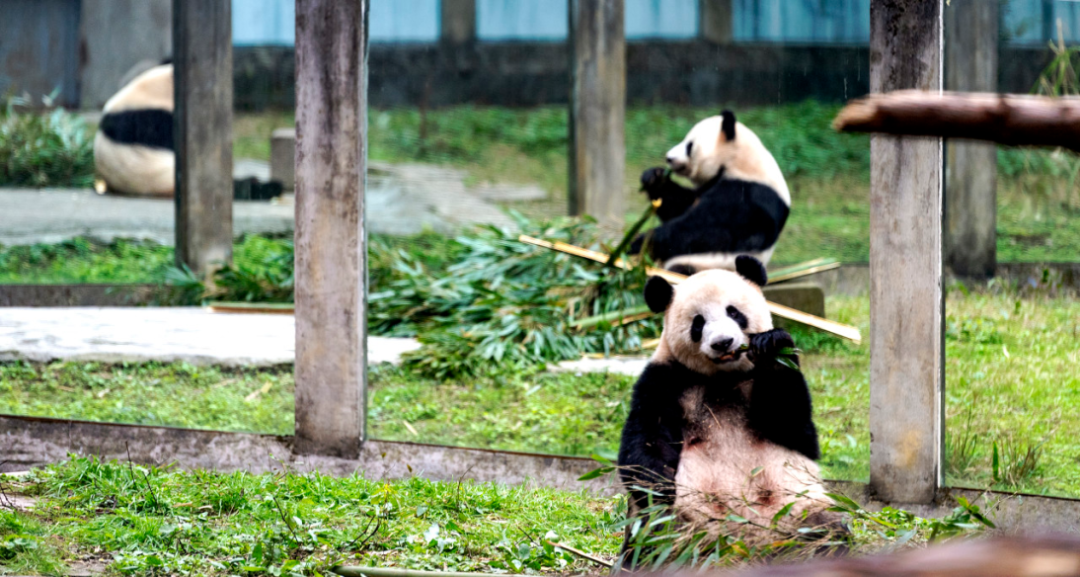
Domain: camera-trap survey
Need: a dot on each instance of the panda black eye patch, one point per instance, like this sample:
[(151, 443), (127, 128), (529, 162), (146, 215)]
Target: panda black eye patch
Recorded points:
[(737, 316), (697, 328), (689, 147)]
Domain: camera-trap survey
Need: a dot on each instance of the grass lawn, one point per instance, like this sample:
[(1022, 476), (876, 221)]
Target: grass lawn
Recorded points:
[(1009, 372), (87, 516)]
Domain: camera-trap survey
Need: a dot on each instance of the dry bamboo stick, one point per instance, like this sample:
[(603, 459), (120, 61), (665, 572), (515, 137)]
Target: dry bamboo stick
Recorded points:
[(838, 329), (1013, 119), (804, 272)]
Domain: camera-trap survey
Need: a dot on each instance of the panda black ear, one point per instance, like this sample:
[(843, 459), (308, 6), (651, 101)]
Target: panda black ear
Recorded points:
[(751, 269), (728, 125), (658, 293)]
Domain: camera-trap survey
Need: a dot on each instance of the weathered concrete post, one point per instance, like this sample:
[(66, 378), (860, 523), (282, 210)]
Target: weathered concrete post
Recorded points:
[(331, 248), (598, 111), (971, 65), (906, 301), (458, 21), (716, 20), (202, 129)]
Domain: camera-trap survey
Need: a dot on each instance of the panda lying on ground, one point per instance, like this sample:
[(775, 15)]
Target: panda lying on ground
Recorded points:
[(133, 149), (739, 207), (715, 429)]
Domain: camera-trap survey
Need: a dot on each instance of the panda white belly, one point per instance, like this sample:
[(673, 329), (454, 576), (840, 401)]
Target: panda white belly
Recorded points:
[(134, 169), (725, 469), (716, 260)]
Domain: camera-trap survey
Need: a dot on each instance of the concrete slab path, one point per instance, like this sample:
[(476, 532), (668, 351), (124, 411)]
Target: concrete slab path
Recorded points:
[(193, 335), (401, 199)]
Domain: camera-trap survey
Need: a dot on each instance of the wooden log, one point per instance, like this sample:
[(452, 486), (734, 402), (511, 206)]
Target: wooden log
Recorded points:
[(203, 86), (597, 112), (331, 252), (1013, 119), (971, 64), (906, 300)]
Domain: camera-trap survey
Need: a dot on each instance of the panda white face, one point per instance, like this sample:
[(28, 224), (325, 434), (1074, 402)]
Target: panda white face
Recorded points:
[(709, 318), (720, 144), (705, 150)]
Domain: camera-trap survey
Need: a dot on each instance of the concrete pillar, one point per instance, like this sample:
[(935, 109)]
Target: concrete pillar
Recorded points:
[(716, 19), (598, 111), (906, 300), (971, 65), (331, 247), (203, 85), (458, 21)]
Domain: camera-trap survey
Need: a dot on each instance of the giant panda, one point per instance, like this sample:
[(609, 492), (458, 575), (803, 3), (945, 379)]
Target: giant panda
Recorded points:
[(133, 149), (717, 425), (739, 205)]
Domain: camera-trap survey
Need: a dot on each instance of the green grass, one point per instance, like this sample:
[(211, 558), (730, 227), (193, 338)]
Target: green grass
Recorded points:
[(1009, 372), (152, 394), (129, 519), (150, 521)]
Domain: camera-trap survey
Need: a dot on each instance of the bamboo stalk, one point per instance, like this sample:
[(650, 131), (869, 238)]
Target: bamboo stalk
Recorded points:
[(839, 329), (238, 307), (625, 315), (803, 272), (1013, 119)]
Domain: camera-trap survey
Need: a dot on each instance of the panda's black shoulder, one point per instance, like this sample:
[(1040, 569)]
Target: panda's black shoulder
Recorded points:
[(732, 191)]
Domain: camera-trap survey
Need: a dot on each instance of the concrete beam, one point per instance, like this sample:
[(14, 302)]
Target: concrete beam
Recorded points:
[(29, 442)]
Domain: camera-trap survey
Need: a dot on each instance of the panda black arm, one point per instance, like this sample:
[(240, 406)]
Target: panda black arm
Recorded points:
[(780, 407), (652, 436), (732, 216), (676, 199)]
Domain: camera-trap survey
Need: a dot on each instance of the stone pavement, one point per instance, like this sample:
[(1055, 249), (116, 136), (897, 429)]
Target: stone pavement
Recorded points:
[(192, 335), (401, 199)]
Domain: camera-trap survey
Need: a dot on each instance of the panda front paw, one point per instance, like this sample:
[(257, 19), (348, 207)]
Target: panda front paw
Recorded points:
[(767, 345), (652, 181)]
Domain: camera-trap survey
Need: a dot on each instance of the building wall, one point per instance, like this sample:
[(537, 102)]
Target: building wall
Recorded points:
[(39, 49), (116, 36)]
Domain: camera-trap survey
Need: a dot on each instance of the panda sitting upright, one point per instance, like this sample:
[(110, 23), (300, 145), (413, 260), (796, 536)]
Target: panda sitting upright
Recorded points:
[(739, 207), (717, 425)]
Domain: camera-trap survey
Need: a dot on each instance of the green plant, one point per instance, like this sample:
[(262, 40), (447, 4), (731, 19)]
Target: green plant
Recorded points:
[(1015, 462), (50, 148)]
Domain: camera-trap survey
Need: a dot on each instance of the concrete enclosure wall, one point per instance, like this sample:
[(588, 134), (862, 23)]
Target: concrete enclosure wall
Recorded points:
[(116, 35)]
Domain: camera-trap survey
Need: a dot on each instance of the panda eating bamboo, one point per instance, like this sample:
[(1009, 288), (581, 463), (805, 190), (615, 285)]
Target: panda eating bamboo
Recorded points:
[(720, 420), (739, 205)]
